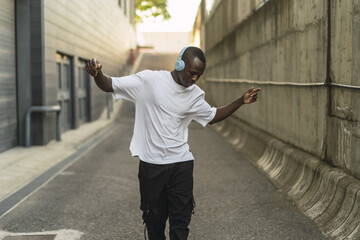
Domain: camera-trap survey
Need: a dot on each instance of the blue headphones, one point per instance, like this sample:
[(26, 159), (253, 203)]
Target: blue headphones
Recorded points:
[(180, 64)]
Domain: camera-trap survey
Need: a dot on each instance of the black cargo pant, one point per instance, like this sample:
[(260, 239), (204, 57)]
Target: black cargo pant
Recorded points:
[(167, 192)]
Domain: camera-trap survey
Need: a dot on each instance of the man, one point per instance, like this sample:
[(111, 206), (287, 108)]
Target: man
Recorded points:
[(165, 104)]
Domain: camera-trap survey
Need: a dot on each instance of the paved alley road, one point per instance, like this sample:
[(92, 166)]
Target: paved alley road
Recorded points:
[(98, 195)]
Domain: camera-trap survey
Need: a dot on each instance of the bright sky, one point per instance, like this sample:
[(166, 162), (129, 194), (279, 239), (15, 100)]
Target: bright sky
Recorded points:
[(183, 13)]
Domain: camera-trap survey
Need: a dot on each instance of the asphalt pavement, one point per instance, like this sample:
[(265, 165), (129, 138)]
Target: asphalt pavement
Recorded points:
[(98, 195)]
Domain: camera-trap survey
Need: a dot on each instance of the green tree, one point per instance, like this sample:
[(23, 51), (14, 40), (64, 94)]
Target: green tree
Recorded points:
[(151, 9)]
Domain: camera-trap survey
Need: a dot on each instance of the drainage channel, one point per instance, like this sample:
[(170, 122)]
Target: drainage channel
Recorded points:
[(63, 234), (31, 237)]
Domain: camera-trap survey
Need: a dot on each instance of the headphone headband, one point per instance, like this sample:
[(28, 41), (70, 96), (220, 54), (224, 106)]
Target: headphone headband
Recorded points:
[(182, 51)]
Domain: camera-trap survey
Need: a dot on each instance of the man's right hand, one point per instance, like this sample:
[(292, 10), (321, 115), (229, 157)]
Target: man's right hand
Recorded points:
[(93, 67)]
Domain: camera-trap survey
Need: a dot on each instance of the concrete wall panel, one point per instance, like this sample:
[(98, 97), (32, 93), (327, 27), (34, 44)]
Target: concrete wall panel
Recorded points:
[(299, 120), (275, 46), (342, 41), (343, 145), (243, 10), (8, 102)]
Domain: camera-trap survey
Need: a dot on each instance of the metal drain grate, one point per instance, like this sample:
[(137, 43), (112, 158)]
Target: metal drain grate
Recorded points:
[(31, 237)]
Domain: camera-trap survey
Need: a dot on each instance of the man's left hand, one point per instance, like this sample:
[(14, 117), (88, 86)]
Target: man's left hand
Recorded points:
[(251, 95)]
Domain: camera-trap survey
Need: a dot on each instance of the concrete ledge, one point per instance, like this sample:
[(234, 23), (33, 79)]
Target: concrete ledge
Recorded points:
[(327, 195)]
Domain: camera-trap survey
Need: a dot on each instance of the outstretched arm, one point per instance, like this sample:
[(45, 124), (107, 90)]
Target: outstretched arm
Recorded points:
[(104, 82), (249, 96)]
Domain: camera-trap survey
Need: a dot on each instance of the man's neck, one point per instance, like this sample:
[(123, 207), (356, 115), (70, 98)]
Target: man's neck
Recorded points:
[(175, 76)]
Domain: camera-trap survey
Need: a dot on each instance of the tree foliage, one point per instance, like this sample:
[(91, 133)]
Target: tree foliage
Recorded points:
[(151, 9)]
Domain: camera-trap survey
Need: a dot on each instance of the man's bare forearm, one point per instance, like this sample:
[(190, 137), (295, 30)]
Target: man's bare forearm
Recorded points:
[(104, 82), (226, 111), (93, 67), (249, 96)]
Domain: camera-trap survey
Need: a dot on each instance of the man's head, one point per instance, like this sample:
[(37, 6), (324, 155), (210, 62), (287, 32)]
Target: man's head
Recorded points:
[(195, 64)]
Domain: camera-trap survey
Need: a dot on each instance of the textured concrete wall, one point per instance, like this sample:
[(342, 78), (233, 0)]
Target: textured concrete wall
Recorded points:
[(343, 145), (284, 41), (304, 132), (287, 41)]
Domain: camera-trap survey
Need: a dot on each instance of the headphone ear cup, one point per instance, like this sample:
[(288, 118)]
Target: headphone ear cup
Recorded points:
[(179, 65)]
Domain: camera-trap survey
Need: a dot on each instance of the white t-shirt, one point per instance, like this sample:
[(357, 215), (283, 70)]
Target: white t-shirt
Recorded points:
[(163, 111)]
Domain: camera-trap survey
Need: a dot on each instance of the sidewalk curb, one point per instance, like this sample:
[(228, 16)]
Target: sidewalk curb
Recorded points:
[(326, 195), (20, 165)]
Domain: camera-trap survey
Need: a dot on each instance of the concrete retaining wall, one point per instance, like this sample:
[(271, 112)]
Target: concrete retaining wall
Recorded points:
[(327, 195), (275, 44), (343, 145), (298, 52)]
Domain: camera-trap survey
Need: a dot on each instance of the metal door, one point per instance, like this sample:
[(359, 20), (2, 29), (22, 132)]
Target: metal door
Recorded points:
[(83, 94), (63, 65)]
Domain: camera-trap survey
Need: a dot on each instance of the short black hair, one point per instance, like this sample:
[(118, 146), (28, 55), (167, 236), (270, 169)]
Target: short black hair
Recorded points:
[(193, 52)]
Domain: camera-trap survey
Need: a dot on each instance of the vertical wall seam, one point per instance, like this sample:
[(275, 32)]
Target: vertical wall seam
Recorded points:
[(18, 124), (328, 79), (328, 54)]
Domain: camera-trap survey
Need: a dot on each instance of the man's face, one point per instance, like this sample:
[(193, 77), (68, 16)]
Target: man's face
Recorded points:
[(193, 70)]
